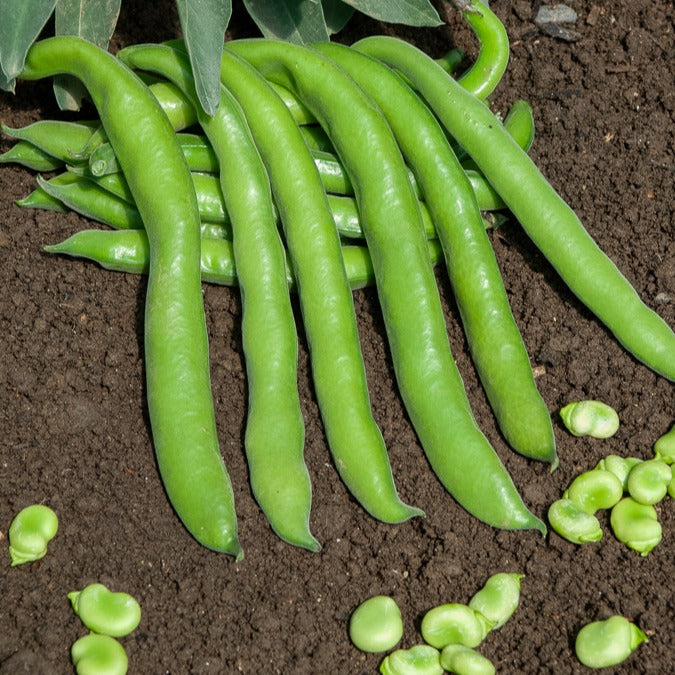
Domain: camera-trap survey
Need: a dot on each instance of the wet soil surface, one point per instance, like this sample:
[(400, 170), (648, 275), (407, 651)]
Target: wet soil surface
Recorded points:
[(75, 432)]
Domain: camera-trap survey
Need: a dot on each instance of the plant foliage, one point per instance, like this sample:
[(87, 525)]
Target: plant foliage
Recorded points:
[(203, 24)]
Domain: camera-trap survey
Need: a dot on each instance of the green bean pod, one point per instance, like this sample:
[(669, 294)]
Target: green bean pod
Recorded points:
[(636, 525), (30, 156), (128, 251), (427, 375), (179, 395), (519, 122), (274, 436), (58, 138), (495, 342), (482, 78), (326, 301), (548, 220), (92, 201)]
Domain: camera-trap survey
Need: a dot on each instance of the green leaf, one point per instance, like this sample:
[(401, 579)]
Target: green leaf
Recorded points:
[(300, 21), (93, 20), (203, 23), (336, 14), (408, 12), (21, 23)]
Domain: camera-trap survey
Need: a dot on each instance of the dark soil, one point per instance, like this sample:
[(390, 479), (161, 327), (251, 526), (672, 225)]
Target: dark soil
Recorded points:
[(75, 433)]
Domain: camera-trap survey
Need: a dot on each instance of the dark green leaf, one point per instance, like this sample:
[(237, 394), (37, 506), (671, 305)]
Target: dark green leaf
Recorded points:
[(299, 21), (93, 20), (408, 12), (337, 14), (203, 23), (21, 23)]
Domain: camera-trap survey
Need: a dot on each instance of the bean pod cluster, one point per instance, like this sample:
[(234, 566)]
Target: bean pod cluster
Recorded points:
[(324, 169)]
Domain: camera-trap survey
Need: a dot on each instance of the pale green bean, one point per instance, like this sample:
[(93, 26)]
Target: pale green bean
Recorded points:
[(636, 525), (376, 624), (594, 490), (602, 644), (95, 654), (29, 533), (417, 660), (571, 522), (463, 660), (647, 482), (453, 623), (105, 612), (590, 418), (498, 599)]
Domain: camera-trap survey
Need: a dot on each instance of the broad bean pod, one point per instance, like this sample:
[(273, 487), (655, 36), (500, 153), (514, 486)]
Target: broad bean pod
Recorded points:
[(482, 78), (551, 224), (494, 340), (26, 154), (177, 366), (434, 395)]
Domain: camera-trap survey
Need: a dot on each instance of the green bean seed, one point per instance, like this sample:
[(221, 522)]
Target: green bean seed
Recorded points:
[(105, 612), (671, 487), (376, 624), (648, 481), (571, 522), (594, 490), (96, 654), (590, 418), (29, 533), (453, 623), (664, 448), (602, 644), (636, 525), (417, 660), (465, 661), (619, 466), (498, 599)]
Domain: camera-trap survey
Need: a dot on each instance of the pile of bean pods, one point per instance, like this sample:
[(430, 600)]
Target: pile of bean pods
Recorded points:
[(325, 168)]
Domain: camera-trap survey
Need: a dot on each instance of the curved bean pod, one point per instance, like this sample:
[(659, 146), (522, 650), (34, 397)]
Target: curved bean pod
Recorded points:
[(30, 156), (482, 78), (274, 436), (326, 302), (177, 364), (434, 395), (551, 224), (494, 340)]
